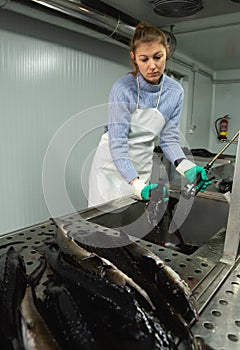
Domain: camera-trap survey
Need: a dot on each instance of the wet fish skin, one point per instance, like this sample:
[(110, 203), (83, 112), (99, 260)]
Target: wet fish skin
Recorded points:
[(136, 255), (81, 278), (37, 334), (174, 289), (95, 263), (169, 318), (4, 342), (68, 322), (13, 282), (106, 297), (116, 332)]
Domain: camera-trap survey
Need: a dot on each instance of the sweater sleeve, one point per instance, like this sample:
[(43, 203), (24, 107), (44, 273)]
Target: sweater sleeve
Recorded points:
[(119, 117), (169, 140)]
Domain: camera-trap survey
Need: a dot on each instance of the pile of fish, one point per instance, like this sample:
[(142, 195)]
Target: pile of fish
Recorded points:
[(84, 297)]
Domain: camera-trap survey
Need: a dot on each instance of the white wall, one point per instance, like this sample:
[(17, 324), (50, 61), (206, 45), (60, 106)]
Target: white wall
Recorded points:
[(48, 75), (198, 94), (226, 101)]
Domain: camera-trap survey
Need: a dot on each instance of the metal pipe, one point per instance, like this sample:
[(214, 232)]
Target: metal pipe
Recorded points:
[(222, 150), (74, 16)]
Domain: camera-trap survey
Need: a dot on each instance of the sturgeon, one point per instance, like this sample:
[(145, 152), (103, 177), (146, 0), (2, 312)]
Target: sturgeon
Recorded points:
[(121, 321), (13, 282), (162, 284), (96, 263), (36, 333), (66, 320)]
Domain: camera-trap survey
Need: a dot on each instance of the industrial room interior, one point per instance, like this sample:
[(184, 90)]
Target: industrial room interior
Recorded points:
[(59, 59)]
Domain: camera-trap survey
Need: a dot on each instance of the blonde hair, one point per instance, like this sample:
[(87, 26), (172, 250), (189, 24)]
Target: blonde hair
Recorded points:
[(145, 33)]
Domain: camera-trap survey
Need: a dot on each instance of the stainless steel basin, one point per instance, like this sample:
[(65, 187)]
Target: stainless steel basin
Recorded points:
[(206, 217)]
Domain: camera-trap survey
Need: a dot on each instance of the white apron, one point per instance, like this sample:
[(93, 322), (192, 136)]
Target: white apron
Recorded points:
[(105, 182)]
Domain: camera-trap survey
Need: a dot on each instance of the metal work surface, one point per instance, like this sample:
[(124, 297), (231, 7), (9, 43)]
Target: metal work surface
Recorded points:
[(216, 285), (219, 323)]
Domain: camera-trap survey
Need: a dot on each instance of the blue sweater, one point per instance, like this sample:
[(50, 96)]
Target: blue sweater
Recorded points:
[(124, 92)]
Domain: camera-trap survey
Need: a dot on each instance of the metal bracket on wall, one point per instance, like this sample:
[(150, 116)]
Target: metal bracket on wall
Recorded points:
[(232, 237)]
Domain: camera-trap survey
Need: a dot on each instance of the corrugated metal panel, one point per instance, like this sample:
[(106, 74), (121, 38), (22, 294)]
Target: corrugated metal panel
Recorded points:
[(48, 75)]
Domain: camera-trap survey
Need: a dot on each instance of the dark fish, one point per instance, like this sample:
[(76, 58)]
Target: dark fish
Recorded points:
[(95, 263), (139, 263), (13, 281), (131, 259), (122, 323), (158, 204), (66, 319), (36, 334), (174, 289), (160, 216)]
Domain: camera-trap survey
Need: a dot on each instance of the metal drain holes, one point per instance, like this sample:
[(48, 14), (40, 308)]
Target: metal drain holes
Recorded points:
[(174, 254), (190, 278), (198, 271), (167, 260), (33, 252), (208, 325), (235, 283), (232, 337), (237, 323), (182, 265), (201, 339), (229, 292), (216, 313), (223, 302), (204, 264)]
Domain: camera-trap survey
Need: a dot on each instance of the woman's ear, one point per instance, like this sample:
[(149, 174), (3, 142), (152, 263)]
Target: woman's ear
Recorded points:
[(167, 51), (132, 56)]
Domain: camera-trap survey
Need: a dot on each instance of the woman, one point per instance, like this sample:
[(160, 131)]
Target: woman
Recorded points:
[(143, 105)]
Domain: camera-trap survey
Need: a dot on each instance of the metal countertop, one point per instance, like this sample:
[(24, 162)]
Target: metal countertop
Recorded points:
[(216, 285)]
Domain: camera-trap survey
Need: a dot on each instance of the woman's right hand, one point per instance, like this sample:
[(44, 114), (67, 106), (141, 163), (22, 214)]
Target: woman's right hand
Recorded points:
[(141, 190)]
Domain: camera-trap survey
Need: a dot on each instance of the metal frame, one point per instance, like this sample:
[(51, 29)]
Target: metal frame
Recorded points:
[(232, 237)]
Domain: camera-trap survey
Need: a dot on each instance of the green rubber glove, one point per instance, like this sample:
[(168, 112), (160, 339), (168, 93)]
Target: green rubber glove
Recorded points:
[(165, 194), (146, 191), (192, 174)]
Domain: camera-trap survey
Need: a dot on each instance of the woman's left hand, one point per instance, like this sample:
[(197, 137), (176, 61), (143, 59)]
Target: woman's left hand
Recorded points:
[(198, 174)]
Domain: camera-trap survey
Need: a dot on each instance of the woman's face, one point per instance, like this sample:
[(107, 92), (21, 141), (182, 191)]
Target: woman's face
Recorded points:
[(150, 59)]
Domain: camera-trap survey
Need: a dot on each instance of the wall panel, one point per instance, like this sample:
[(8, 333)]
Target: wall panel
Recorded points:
[(48, 75)]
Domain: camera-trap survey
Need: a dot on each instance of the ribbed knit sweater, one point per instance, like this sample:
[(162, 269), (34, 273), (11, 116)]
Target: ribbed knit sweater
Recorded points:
[(123, 102)]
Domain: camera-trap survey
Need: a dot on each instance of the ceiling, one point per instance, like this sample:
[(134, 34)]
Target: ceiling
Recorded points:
[(211, 37)]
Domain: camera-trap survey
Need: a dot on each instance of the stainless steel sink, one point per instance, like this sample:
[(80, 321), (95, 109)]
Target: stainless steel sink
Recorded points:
[(206, 217)]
